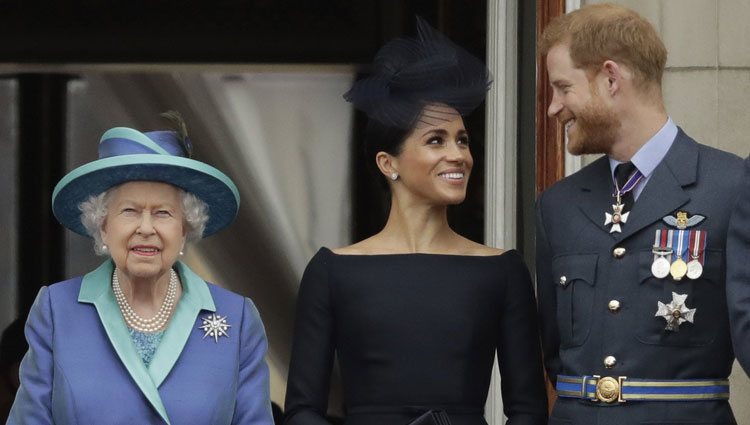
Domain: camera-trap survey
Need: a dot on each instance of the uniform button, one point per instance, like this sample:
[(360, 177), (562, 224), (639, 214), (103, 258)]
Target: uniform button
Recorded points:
[(610, 362), (563, 281), (619, 252), (614, 306)]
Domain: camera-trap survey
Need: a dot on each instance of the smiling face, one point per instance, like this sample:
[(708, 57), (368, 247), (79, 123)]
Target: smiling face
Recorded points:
[(590, 122), (435, 162), (144, 229)]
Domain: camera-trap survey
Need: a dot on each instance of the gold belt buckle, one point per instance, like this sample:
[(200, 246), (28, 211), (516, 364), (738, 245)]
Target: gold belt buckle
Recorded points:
[(609, 389)]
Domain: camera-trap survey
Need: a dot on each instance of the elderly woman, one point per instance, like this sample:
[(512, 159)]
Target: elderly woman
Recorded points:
[(416, 313), (143, 339)]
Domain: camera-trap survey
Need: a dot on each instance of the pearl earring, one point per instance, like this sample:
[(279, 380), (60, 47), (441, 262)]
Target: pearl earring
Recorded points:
[(394, 176), (182, 253), (104, 248)]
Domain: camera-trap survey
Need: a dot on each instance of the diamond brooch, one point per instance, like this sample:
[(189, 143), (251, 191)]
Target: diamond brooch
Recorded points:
[(215, 326)]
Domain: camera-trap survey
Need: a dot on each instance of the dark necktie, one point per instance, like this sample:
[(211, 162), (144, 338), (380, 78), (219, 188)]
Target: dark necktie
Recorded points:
[(622, 173)]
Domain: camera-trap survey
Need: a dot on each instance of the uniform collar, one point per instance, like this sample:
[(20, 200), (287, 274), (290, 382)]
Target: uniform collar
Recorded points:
[(652, 152)]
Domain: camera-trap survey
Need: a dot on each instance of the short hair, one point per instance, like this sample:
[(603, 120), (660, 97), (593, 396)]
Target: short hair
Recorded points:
[(94, 211), (601, 32)]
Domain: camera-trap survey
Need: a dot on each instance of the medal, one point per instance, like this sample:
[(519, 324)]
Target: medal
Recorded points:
[(660, 266), (675, 313), (618, 217), (679, 267), (694, 269), (695, 266)]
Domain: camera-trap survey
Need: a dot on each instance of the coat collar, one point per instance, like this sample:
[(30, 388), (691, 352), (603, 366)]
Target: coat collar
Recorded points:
[(96, 289), (664, 191)]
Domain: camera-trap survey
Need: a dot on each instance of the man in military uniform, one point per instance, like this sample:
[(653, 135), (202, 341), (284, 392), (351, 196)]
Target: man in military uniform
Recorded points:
[(738, 273), (630, 250)]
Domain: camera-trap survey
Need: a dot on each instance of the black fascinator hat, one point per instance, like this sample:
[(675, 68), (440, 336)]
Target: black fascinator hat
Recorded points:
[(409, 74)]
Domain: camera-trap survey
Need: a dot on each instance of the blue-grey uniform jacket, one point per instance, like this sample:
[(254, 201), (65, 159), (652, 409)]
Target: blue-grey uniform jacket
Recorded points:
[(738, 273), (598, 298)]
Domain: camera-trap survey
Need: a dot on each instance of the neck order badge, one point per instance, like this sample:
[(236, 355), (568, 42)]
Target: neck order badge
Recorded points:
[(618, 217)]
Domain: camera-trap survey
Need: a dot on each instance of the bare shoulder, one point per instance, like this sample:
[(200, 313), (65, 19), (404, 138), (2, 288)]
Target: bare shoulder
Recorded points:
[(369, 246), (379, 244), (472, 248)]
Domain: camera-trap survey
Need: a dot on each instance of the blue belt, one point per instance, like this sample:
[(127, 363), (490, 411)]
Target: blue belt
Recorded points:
[(611, 389)]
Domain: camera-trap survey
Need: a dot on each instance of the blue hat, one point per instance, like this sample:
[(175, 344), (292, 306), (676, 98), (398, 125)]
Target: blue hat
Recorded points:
[(127, 155)]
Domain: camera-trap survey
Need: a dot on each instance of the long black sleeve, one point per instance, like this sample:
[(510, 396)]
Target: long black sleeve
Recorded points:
[(312, 350), (519, 354)]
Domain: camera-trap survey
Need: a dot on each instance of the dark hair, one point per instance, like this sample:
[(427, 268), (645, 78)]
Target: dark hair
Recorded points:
[(409, 75), (381, 137)]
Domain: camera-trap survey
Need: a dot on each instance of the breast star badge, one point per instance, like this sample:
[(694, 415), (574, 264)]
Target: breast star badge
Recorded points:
[(616, 218), (215, 326), (676, 312)]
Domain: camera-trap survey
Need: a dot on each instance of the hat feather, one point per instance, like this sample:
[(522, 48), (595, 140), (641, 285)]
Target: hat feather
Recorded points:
[(177, 124)]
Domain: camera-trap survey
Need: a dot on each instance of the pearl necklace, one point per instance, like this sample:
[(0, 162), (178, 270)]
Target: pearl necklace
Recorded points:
[(137, 322)]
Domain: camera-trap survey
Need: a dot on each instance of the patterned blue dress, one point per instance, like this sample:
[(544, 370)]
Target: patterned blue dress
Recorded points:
[(145, 343)]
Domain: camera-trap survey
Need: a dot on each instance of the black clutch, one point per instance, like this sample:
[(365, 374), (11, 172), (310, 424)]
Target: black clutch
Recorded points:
[(432, 417)]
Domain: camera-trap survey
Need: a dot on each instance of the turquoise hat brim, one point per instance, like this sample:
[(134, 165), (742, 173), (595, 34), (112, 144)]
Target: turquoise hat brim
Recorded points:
[(204, 181)]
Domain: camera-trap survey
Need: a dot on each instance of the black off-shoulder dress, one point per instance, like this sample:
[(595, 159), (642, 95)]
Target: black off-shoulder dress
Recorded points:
[(414, 332)]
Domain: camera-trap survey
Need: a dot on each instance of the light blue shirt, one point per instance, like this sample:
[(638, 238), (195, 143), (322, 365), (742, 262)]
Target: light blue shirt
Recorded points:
[(650, 154)]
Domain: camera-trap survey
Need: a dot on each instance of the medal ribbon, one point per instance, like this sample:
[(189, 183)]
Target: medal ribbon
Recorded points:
[(698, 244), (629, 185), (663, 239), (660, 243), (657, 239), (679, 243), (670, 246)]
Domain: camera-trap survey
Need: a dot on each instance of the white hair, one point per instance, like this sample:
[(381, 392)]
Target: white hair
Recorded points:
[(94, 211)]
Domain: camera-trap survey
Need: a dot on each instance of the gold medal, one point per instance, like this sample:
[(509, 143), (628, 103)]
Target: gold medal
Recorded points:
[(678, 269)]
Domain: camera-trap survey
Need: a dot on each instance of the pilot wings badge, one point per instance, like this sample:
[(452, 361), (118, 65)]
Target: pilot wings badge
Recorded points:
[(681, 220)]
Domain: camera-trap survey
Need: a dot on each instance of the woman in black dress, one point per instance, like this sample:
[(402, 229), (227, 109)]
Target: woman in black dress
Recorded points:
[(417, 312)]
